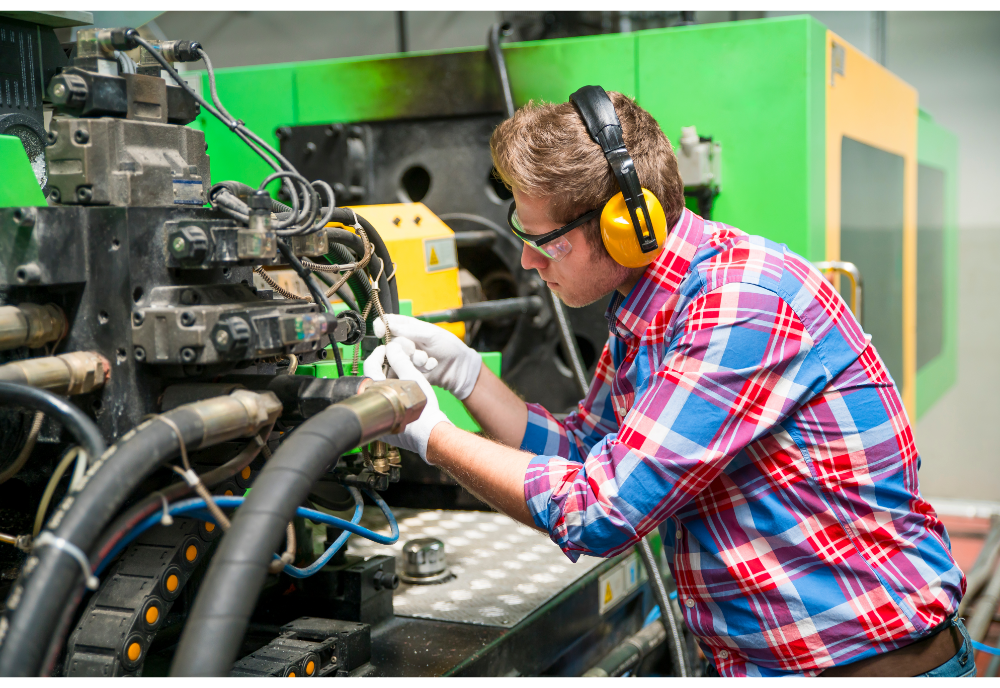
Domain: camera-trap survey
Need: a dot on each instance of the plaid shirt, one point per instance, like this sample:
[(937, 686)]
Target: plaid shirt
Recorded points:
[(739, 407)]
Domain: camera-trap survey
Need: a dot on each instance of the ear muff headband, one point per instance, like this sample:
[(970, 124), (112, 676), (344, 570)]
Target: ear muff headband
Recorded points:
[(601, 120)]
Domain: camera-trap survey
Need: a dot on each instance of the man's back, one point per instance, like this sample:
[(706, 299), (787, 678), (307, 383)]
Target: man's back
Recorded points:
[(739, 400)]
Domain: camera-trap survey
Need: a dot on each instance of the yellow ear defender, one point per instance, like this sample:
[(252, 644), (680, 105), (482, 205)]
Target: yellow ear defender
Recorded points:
[(633, 224), (620, 236)]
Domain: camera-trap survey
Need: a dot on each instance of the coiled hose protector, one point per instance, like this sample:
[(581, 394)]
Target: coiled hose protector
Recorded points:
[(215, 627)]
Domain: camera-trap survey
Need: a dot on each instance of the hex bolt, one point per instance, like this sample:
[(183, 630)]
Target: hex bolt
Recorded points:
[(139, 353), (387, 581), (188, 354), (137, 318), (81, 136), (84, 194), (187, 319)]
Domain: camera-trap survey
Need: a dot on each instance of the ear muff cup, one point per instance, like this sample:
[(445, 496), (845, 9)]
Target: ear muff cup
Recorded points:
[(619, 235)]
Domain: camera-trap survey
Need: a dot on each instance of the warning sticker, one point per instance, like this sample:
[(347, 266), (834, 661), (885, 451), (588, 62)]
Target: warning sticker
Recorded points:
[(440, 254), (616, 584)]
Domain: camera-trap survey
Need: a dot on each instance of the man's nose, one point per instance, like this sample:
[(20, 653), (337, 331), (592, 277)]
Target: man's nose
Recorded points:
[(532, 259)]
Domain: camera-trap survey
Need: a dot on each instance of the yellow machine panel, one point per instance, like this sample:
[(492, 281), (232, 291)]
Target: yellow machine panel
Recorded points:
[(426, 257)]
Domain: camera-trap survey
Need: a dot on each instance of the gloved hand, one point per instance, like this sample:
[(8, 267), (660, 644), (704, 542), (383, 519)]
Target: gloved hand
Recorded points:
[(400, 352), (451, 364)]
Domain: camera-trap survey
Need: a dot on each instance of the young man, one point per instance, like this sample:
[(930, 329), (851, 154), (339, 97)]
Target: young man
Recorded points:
[(737, 406)]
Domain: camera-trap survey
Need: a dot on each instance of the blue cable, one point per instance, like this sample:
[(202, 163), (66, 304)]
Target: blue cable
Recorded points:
[(294, 572), (654, 613), (986, 648), (196, 508)]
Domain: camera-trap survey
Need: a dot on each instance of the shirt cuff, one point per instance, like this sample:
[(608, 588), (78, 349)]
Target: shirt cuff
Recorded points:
[(538, 497)]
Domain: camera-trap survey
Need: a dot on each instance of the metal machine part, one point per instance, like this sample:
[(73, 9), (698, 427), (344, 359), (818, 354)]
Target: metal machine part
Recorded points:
[(311, 647), (424, 562), (31, 325), (74, 373)]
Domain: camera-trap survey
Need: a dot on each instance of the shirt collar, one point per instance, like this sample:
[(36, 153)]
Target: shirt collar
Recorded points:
[(661, 279)]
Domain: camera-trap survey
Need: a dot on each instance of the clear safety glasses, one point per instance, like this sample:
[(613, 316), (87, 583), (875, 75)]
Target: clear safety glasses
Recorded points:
[(553, 245)]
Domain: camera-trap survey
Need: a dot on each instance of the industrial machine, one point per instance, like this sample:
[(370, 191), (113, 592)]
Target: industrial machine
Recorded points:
[(187, 447)]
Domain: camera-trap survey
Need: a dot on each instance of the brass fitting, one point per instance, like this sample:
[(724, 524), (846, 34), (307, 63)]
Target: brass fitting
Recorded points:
[(240, 414), (31, 325), (78, 372), (406, 402)]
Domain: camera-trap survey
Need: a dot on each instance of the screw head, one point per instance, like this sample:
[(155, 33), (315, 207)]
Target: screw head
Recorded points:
[(222, 338), (139, 353), (187, 319), (188, 354), (52, 137), (81, 136), (55, 195), (59, 90), (137, 318), (84, 194), (177, 245)]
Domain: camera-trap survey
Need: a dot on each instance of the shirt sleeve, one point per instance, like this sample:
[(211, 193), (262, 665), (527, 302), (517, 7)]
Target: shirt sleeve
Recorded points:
[(728, 376), (575, 436)]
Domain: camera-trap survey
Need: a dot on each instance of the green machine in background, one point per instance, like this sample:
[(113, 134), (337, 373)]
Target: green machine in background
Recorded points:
[(786, 99)]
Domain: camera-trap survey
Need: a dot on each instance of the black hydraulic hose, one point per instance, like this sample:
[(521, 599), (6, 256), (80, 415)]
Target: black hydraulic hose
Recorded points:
[(358, 282), (47, 588), (349, 239), (82, 428), (214, 630), (43, 592), (486, 310), (499, 64), (387, 288)]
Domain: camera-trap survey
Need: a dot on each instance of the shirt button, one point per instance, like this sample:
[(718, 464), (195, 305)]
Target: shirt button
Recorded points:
[(723, 654), (689, 603)]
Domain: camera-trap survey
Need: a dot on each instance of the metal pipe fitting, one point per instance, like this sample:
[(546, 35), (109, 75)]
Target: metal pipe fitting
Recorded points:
[(31, 325), (406, 402), (78, 372), (240, 414)]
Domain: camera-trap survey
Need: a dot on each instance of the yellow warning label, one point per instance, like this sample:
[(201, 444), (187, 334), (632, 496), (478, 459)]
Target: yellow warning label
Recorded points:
[(608, 595), (434, 258)]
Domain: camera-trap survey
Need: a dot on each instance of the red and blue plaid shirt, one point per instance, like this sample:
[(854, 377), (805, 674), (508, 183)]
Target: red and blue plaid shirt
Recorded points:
[(739, 407)]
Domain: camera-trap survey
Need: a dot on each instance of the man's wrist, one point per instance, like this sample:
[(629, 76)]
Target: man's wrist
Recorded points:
[(466, 390)]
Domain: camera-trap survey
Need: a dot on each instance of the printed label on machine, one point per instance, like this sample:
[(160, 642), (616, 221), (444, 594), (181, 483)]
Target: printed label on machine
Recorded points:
[(616, 584), (439, 254), (188, 192)]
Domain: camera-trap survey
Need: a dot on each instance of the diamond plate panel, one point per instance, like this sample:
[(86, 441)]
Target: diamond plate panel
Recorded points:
[(503, 571)]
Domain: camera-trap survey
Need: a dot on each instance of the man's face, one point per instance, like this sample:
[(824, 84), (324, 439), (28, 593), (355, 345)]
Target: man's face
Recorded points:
[(584, 275)]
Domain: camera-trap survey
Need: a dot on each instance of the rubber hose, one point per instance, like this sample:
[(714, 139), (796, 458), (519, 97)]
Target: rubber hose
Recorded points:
[(346, 217), (82, 428), (45, 591), (213, 633), (358, 283), (352, 241)]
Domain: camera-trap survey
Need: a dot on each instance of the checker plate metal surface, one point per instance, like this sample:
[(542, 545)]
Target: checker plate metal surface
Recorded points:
[(503, 570)]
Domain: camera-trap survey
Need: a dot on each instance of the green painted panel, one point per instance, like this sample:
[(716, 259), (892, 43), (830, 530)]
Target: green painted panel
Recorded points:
[(757, 88), (552, 70), (19, 187), (937, 149)]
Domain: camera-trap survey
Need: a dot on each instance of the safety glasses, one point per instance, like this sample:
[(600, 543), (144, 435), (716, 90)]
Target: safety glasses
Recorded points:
[(553, 245)]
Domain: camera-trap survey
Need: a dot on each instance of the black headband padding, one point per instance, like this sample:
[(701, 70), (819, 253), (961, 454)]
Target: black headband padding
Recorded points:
[(602, 123)]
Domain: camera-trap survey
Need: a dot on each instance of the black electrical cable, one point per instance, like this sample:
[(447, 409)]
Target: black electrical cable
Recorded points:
[(337, 358), (387, 290), (46, 589), (214, 629), (82, 428), (358, 282), (352, 241)]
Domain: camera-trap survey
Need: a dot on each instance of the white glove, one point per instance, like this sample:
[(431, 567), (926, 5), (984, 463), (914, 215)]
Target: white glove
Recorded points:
[(450, 364), (400, 352)]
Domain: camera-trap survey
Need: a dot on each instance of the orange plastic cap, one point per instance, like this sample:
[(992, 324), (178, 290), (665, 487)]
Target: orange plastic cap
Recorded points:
[(134, 650), (152, 614), (191, 553)]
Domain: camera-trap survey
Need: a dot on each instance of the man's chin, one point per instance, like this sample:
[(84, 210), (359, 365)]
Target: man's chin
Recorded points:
[(578, 301)]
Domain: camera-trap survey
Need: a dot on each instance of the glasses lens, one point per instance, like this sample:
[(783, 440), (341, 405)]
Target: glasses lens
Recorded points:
[(555, 250)]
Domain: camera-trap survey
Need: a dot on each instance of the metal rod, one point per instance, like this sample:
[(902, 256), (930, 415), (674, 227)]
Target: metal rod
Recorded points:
[(475, 237), (981, 619), (486, 310), (499, 64), (569, 344), (401, 29), (670, 621)]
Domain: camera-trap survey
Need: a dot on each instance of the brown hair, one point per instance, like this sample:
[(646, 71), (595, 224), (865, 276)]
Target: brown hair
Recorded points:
[(544, 151)]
